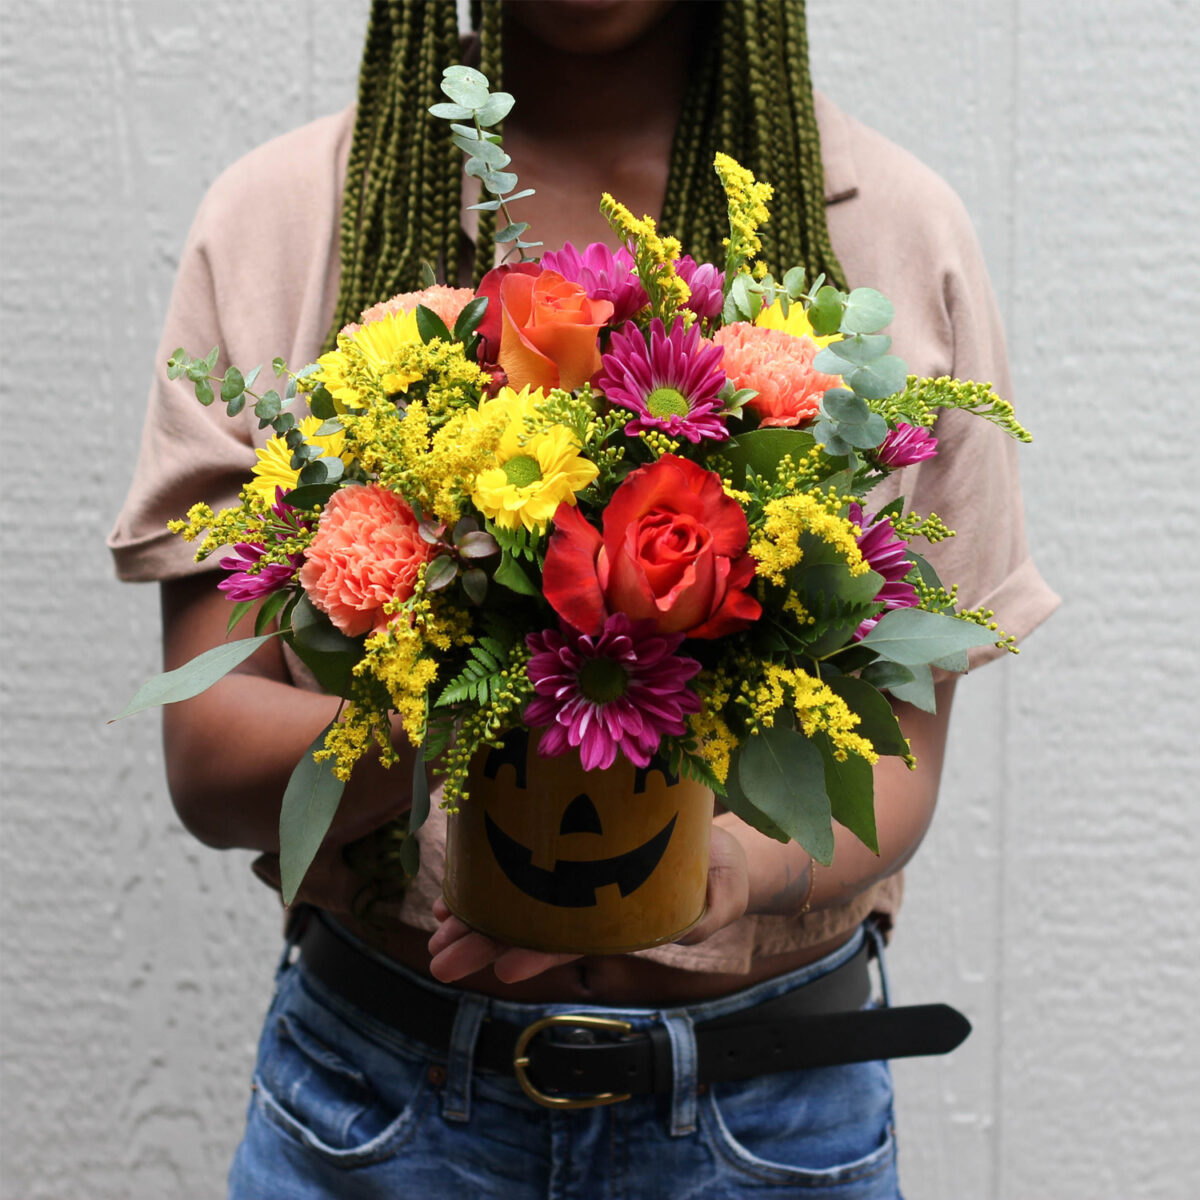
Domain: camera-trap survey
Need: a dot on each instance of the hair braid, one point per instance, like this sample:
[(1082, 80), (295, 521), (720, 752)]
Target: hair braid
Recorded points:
[(750, 97)]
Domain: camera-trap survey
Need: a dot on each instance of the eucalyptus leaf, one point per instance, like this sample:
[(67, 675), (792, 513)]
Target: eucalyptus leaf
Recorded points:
[(235, 406), (919, 693), (322, 470), (793, 283), (210, 359), (914, 637), (867, 311), (193, 677), (320, 403), (278, 366), (886, 675), (851, 788), (310, 497), (499, 182), (233, 384), (420, 790), (510, 233), (204, 392), (451, 112), (428, 275), (268, 405), (882, 378), (825, 312), (309, 806), (410, 856), (783, 776), (485, 206), (495, 109), (465, 86), (328, 428), (482, 151)]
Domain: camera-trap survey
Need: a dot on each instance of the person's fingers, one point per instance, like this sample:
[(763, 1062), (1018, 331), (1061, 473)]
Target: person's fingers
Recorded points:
[(728, 888), (441, 909), (517, 963), (450, 930), (464, 956)]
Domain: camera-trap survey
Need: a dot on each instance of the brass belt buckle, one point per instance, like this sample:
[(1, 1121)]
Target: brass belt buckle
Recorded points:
[(521, 1060)]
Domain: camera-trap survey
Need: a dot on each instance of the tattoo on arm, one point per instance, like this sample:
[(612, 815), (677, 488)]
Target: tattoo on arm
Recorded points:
[(788, 899)]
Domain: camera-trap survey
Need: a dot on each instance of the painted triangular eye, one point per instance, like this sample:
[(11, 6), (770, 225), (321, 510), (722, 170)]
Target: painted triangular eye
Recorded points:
[(581, 816)]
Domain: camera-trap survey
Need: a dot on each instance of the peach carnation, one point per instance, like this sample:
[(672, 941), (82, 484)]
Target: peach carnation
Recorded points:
[(367, 551), (779, 367), (447, 302)]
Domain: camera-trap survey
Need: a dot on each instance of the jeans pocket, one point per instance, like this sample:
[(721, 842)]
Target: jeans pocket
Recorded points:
[(324, 1084), (828, 1128)]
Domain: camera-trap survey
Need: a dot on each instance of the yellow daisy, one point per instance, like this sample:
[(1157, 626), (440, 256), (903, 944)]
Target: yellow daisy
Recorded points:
[(796, 322), (274, 468), (535, 473)]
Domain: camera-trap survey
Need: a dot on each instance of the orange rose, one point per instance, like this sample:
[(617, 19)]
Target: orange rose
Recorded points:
[(549, 332)]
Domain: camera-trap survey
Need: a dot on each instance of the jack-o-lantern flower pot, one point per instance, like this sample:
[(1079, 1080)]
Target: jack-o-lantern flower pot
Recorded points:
[(547, 855)]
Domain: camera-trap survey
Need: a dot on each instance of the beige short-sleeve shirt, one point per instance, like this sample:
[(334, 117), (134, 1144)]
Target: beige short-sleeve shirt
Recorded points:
[(259, 276)]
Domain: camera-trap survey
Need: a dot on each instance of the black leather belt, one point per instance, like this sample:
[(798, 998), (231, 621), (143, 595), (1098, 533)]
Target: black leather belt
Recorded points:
[(577, 1059)]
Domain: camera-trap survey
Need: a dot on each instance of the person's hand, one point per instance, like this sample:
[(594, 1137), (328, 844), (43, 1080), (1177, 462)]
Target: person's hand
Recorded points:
[(458, 950)]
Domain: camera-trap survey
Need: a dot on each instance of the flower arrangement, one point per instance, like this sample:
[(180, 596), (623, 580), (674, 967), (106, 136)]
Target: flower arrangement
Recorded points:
[(618, 498)]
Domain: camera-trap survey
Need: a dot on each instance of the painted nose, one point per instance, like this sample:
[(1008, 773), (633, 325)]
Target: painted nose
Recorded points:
[(581, 816)]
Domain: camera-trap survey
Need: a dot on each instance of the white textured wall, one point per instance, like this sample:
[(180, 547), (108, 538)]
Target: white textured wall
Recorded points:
[(1054, 900)]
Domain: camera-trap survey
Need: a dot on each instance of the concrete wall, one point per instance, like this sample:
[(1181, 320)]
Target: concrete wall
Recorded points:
[(1052, 899)]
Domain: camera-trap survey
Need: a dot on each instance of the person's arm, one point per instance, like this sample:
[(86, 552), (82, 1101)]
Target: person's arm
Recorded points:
[(752, 873), (230, 751)]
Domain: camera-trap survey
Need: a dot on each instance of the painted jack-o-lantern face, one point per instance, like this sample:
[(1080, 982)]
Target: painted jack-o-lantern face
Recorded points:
[(546, 854)]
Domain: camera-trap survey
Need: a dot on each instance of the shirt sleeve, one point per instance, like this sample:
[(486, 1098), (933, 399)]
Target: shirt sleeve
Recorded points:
[(974, 483)]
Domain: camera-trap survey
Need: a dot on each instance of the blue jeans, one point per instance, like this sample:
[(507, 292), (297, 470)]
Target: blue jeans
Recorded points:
[(344, 1106)]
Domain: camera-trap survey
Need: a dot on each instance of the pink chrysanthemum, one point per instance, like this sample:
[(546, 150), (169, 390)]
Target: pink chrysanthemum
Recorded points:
[(672, 383), (447, 302), (707, 285), (886, 554), (248, 580), (367, 551), (778, 366), (905, 446), (603, 274), (617, 692)]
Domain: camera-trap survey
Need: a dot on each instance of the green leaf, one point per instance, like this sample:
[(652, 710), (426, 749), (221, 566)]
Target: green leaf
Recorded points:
[(485, 206), (919, 693), (240, 609), (440, 573), (278, 366), (309, 497), (886, 676), (320, 403), (513, 577), (497, 107), (193, 677), (465, 86), (793, 283), (510, 233), (740, 806), (914, 637), (235, 406), (825, 312), (431, 326), (309, 805), (475, 584), (410, 856), (853, 351), (763, 450), (866, 311), (249, 381), (488, 153), (878, 722), (428, 276), (328, 428), (204, 392), (884, 377), (470, 317), (270, 609), (499, 182), (851, 788), (420, 790), (233, 384), (783, 776), (327, 652), (450, 112), (322, 470), (268, 406), (210, 359)]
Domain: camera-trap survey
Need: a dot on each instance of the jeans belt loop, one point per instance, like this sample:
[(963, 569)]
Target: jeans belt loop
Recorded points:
[(875, 936), (682, 1035), (456, 1099)]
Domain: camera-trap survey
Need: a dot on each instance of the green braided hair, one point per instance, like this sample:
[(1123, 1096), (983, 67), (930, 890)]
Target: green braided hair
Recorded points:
[(751, 98)]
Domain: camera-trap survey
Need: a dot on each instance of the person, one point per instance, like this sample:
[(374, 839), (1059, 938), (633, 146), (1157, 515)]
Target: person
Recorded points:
[(385, 1065)]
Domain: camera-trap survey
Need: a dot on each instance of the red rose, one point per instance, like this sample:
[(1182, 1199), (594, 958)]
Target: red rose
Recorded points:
[(673, 551), (490, 326)]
